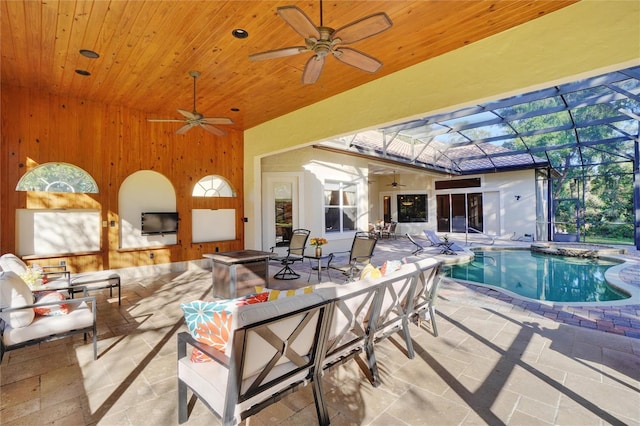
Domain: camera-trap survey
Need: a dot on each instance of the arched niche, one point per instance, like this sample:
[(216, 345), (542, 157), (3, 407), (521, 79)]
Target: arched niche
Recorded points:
[(144, 191)]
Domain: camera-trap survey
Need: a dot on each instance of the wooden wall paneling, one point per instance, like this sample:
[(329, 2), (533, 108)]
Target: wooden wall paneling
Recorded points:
[(9, 168), (109, 142), (110, 183)]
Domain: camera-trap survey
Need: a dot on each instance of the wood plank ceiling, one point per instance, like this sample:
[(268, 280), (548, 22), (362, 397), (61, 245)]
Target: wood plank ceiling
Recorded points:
[(147, 49)]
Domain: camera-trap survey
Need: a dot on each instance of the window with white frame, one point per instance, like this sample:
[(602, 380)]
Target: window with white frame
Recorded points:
[(340, 206), (213, 186)]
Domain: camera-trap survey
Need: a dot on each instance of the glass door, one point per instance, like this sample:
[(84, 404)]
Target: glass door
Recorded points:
[(457, 211), (283, 213), (281, 200), (443, 213)]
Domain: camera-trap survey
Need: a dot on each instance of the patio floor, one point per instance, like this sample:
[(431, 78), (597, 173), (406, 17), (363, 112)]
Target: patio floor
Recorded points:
[(494, 362)]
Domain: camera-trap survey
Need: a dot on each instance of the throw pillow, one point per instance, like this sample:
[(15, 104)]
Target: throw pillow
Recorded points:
[(390, 266), (11, 262), (51, 310), (281, 294), (15, 293), (370, 272), (211, 323)]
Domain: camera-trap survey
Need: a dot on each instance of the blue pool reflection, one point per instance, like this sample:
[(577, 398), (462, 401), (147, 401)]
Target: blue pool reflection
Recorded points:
[(540, 276)]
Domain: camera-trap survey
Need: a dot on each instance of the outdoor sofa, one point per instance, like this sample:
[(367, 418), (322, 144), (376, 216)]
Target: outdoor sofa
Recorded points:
[(274, 347)]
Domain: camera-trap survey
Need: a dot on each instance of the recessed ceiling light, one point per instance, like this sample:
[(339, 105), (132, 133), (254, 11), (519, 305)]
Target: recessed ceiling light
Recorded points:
[(240, 33), (83, 72), (89, 53), (235, 109)]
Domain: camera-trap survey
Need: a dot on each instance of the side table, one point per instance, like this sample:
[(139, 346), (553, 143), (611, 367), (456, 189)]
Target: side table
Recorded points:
[(319, 265), (235, 273)]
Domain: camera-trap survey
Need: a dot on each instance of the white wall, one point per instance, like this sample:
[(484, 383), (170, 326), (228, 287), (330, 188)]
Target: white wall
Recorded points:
[(517, 216)]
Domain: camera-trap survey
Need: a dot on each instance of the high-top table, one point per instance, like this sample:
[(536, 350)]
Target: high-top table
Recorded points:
[(236, 273)]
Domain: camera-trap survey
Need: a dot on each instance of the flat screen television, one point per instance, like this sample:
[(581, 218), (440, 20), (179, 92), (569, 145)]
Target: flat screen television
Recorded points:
[(160, 223)]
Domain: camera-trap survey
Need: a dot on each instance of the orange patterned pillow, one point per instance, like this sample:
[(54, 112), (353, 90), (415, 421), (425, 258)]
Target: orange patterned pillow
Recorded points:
[(211, 322), (51, 310)]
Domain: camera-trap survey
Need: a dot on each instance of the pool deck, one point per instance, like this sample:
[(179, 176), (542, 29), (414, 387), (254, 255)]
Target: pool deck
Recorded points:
[(617, 318), (496, 361)]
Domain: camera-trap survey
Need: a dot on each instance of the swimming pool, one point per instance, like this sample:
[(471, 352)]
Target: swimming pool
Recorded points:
[(540, 276)]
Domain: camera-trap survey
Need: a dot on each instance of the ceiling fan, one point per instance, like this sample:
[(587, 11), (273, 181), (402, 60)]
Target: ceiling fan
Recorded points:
[(394, 184), (323, 41), (194, 118)]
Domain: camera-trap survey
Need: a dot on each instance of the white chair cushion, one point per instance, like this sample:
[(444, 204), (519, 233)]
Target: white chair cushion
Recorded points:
[(11, 262), (15, 293), (209, 380)]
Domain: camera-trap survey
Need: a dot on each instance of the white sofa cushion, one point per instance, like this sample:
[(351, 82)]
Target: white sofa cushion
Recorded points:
[(80, 316), (14, 292)]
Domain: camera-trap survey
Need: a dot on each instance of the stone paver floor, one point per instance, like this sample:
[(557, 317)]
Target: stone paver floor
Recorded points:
[(494, 362)]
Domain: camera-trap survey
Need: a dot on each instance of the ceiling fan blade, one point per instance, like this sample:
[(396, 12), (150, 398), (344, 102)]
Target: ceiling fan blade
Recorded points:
[(165, 120), (363, 28), (312, 69), (278, 53), (357, 59), (213, 129), (188, 114), (184, 129), (300, 22), (216, 120)]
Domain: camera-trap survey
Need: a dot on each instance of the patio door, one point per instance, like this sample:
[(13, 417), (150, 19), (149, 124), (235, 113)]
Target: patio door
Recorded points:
[(457, 211), (280, 207)]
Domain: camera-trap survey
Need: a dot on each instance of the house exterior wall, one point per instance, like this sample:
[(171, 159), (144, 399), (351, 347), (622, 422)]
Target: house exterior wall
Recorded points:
[(317, 167), (112, 143), (515, 191)]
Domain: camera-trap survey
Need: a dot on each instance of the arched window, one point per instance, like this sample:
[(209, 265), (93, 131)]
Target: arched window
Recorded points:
[(58, 177), (213, 186)]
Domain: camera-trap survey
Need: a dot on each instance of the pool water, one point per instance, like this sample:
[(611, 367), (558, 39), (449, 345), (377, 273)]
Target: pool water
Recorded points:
[(540, 276)]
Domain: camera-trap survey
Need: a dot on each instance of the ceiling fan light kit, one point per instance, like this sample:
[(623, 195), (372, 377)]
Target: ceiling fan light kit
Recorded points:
[(324, 41), (194, 118)]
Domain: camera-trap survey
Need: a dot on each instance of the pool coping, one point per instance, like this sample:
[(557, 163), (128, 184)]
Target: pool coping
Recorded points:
[(612, 275), (619, 317)]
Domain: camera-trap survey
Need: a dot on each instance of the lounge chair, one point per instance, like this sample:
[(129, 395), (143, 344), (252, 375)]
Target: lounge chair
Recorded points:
[(448, 247), (419, 247)]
